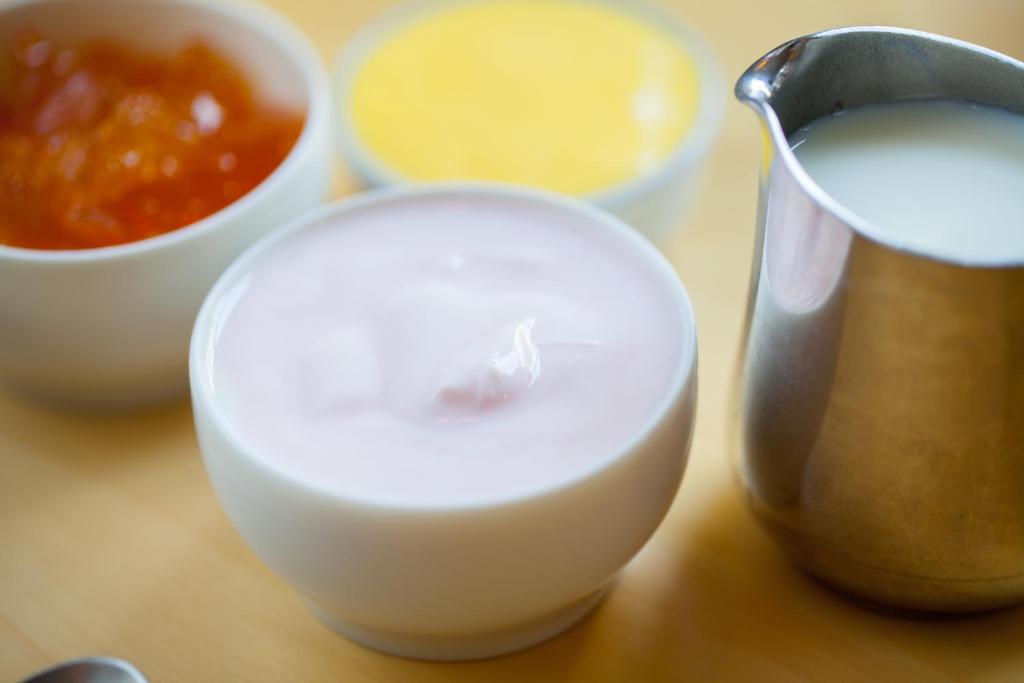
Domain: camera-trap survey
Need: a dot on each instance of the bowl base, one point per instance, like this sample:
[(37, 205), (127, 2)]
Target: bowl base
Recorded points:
[(456, 647)]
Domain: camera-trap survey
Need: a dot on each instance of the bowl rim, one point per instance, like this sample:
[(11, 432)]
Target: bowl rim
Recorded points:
[(685, 156), (275, 29), (649, 258)]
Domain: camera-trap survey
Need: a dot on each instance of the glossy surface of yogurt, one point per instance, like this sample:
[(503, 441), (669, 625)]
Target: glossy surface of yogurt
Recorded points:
[(449, 348)]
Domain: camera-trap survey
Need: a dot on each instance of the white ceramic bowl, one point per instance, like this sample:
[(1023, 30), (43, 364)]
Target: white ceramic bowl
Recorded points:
[(656, 203), (450, 582), (111, 325)]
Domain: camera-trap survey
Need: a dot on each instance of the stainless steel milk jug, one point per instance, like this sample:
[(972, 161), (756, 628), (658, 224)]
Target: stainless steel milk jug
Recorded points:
[(880, 402)]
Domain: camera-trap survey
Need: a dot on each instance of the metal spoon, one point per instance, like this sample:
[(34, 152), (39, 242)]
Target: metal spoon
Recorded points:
[(89, 670)]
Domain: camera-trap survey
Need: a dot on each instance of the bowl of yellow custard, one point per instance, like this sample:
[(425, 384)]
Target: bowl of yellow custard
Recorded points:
[(614, 102)]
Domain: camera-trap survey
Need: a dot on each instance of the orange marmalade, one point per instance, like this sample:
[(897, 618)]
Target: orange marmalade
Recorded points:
[(102, 145)]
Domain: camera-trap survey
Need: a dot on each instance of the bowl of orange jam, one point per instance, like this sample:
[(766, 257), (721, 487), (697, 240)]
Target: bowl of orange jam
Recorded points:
[(143, 145), (614, 101)]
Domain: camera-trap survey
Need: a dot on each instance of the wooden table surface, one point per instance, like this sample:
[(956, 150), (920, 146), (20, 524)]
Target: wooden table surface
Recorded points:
[(111, 540)]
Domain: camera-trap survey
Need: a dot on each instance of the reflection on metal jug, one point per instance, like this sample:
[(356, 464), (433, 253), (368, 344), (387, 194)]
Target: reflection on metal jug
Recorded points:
[(880, 402)]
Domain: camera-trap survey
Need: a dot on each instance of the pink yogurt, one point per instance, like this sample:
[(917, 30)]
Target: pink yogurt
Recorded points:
[(447, 348)]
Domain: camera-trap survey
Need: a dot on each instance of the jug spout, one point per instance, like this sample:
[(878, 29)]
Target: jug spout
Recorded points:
[(822, 73), (757, 84)]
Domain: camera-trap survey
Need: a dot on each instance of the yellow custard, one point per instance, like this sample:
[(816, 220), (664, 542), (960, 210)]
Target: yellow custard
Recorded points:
[(572, 96)]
